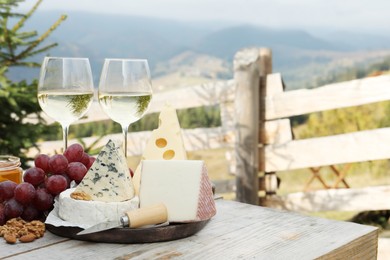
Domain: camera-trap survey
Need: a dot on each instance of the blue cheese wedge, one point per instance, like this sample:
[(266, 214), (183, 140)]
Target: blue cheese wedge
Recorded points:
[(108, 179)]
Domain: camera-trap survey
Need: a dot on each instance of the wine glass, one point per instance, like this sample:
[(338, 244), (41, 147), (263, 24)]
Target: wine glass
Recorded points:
[(125, 91), (65, 90)]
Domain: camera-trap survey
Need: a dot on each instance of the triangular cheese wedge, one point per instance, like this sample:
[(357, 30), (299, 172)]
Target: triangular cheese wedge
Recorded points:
[(165, 143), (109, 178), (182, 186)]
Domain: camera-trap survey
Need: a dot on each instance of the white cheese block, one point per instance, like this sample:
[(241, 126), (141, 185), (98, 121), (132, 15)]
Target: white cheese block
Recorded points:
[(88, 213), (109, 178), (183, 186), (165, 143)]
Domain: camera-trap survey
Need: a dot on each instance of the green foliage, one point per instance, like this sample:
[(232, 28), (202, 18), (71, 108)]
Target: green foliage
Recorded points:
[(377, 218), (345, 120), (20, 122), (188, 118), (200, 117), (16, 101)]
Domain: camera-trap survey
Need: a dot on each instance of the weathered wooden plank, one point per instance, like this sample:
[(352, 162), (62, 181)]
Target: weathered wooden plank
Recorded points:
[(274, 131), (49, 239), (195, 96), (339, 95), (227, 115), (238, 231), (274, 84), (369, 198), (344, 148), (277, 131), (207, 94), (247, 78), (356, 249), (194, 139)]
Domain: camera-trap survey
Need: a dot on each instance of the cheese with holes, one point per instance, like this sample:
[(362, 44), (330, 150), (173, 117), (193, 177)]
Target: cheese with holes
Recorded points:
[(108, 179), (165, 143), (183, 186), (85, 214)]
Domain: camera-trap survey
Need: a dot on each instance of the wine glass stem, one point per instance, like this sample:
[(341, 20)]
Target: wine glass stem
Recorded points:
[(65, 129), (124, 130)]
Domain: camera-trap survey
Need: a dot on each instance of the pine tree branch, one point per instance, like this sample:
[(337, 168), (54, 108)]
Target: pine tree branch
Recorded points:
[(20, 23), (8, 4), (7, 38), (26, 35), (41, 38), (6, 14), (43, 49), (26, 64)]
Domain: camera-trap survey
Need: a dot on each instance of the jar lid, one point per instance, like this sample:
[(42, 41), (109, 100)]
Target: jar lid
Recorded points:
[(8, 162)]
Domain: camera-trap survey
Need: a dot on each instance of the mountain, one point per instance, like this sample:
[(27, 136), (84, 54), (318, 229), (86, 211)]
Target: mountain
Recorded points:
[(183, 48), (357, 41), (99, 36), (224, 43)]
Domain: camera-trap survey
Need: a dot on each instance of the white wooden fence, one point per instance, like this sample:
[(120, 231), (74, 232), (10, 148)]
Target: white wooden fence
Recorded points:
[(221, 93), (254, 114), (279, 152)]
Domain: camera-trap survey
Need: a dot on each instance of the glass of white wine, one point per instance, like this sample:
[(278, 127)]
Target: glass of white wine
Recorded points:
[(65, 90), (125, 91)]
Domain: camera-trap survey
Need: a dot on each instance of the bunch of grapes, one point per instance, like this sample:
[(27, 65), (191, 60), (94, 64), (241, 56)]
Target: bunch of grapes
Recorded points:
[(34, 198)]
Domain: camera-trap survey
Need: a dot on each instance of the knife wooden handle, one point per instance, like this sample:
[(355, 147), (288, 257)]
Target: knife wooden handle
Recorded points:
[(151, 215)]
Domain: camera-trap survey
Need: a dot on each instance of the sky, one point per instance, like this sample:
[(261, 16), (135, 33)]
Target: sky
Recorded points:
[(353, 15)]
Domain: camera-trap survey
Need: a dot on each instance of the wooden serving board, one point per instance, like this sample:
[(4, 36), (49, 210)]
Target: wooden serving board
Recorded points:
[(132, 236)]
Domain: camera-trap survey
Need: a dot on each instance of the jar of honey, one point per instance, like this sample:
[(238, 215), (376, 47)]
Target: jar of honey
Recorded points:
[(10, 168)]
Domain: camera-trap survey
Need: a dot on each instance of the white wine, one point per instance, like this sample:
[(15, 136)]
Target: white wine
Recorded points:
[(65, 107), (125, 108)]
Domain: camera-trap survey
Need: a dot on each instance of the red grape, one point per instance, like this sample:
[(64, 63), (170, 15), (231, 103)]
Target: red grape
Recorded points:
[(42, 162), (51, 175), (30, 213), (58, 164), (7, 190), (56, 184), (68, 180), (2, 215), (91, 161), (12, 209), (76, 171), (34, 175), (24, 193), (43, 200), (74, 153), (85, 159)]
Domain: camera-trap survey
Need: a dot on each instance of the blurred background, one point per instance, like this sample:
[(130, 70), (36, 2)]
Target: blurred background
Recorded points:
[(188, 43)]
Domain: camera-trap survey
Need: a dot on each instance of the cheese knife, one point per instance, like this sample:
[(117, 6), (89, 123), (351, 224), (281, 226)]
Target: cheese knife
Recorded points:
[(140, 217)]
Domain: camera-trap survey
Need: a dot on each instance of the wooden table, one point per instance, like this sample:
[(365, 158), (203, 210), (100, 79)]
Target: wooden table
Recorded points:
[(238, 231)]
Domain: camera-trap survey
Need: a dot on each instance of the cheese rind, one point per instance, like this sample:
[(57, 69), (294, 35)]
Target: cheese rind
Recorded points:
[(88, 213), (108, 179), (183, 186), (165, 143)]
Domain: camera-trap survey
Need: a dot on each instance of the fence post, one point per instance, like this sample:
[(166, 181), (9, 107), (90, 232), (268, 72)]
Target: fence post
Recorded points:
[(268, 180), (247, 78)]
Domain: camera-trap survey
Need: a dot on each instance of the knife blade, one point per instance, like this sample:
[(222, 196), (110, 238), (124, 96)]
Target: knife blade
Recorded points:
[(151, 215)]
